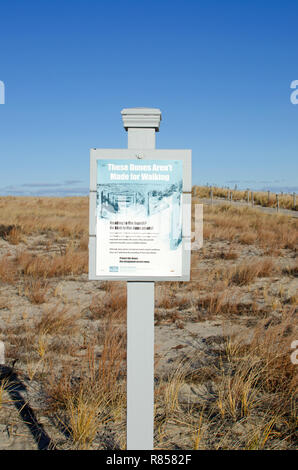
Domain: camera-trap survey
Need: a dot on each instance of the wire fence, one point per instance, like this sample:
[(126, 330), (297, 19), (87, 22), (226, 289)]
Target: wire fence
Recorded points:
[(249, 196)]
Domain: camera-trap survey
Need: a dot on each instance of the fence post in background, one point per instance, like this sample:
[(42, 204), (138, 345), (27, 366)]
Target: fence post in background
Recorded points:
[(294, 201), (268, 203), (248, 196), (252, 198), (231, 196), (277, 203), (211, 196)]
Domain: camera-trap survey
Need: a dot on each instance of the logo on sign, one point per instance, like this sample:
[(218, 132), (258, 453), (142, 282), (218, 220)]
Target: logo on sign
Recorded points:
[(113, 269)]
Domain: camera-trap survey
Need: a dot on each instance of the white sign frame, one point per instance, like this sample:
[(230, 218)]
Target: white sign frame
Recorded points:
[(142, 155)]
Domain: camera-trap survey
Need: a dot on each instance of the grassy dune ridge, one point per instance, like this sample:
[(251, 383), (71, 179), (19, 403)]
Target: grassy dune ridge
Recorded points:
[(261, 198)]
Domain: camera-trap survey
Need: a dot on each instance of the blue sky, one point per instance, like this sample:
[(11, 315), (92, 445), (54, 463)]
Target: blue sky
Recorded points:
[(219, 70)]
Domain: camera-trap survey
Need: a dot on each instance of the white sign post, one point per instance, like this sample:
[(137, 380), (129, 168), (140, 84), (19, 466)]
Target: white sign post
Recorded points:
[(139, 231), (140, 313)]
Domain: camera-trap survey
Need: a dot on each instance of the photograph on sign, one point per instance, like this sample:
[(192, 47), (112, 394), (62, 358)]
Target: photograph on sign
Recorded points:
[(139, 217)]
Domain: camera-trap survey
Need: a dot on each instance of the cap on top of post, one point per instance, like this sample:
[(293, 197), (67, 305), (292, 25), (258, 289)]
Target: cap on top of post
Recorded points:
[(141, 117)]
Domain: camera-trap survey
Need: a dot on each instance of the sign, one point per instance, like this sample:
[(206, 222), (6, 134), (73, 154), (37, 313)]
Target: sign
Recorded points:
[(139, 217), (140, 230), (140, 204)]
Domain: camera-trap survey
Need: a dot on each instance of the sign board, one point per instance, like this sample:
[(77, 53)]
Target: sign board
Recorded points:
[(140, 232), (140, 214)]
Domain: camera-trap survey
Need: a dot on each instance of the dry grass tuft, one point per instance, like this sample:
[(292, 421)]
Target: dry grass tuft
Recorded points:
[(72, 262), (8, 272), (57, 319), (246, 273), (66, 216), (95, 395), (223, 303), (14, 237), (112, 303), (112, 360), (291, 270), (36, 290), (229, 255), (262, 381), (83, 411), (249, 226)]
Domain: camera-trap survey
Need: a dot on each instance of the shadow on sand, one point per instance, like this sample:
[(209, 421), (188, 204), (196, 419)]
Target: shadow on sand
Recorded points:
[(14, 386)]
